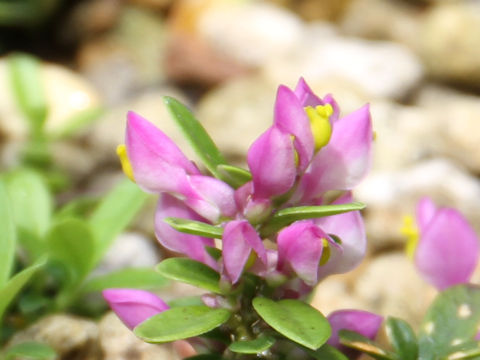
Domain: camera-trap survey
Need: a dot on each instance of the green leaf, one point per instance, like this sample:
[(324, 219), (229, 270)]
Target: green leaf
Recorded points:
[(138, 278), (197, 136), (16, 283), (114, 213), (326, 352), (190, 272), (186, 301), (255, 346), (7, 236), (295, 320), (402, 338), (71, 242), (28, 87), (365, 345), (234, 175), (205, 357), (287, 216), (452, 318), (30, 350), (195, 227), (31, 201), (468, 350), (181, 323)]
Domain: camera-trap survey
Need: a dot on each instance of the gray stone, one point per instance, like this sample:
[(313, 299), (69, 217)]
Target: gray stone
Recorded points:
[(458, 128), (127, 58), (379, 69), (249, 32), (449, 42), (383, 19)]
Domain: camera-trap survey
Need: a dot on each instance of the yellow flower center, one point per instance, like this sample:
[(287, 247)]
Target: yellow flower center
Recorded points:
[(325, 252), (126, 166), (320, 124), (410, 231)]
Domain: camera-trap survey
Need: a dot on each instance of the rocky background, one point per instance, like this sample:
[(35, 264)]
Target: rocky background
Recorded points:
[(417, 62)]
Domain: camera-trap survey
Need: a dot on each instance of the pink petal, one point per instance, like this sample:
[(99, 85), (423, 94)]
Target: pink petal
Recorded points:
[(362, 322), (426, 210), (157, 162), (308, 98), (191, 245), (209, 197), (300, 248), (345, 160), (134, 306), (350, 229), (255, 210), (271, 159), (239, 238), (291, 118), (447, 252)]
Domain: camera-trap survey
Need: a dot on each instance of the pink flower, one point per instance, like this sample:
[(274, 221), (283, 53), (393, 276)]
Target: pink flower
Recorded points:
[(448, 248), (239, 239), (349, 228), (134, 306), (160, 166), (271, 159), (362, 322), (300, 249)]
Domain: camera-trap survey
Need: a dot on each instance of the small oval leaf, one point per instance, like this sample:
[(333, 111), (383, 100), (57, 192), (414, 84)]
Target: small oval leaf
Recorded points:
[(71, 242), (458, 308), (16, 283), (295, 320), (326, 352), (255, 346), (195, 227), (402, 338), (181, 323), (363, 344), (190, 272)]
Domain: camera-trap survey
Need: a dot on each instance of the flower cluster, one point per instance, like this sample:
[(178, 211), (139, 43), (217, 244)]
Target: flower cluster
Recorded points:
[(308, 152)]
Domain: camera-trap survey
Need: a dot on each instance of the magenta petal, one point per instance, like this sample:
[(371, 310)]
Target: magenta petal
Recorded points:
[(209, 197), (447, 252), (156, 161), (291, 118), (426, 210), (271, 159), (239, 238), (362, 322), (300, 248), (345, 160), (134, 306), (191, 245), (306, 96), (349, 227)]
